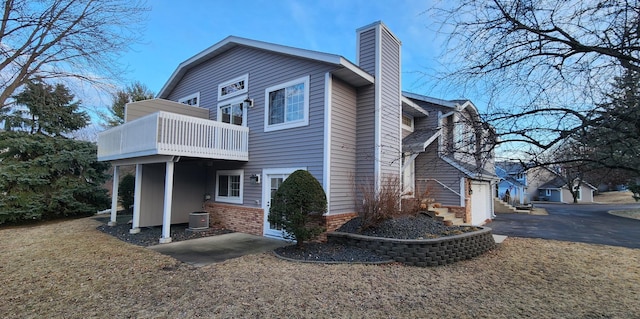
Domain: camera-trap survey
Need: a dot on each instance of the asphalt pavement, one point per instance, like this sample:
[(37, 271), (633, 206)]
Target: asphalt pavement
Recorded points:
[(586, 223)]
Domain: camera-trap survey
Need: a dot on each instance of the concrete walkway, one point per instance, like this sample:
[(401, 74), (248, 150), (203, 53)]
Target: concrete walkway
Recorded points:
[(204, 251)]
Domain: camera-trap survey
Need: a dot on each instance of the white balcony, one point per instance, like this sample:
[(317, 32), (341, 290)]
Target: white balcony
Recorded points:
[(165, 133)]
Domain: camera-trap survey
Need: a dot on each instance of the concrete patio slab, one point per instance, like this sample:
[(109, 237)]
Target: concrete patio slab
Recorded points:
[(204, 251)]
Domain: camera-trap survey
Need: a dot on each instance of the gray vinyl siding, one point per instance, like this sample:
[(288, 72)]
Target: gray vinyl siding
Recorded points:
[(367, 51), (365, 132), (343, 147), (391, 106), (430, 166), (188, 193), (294, 147)]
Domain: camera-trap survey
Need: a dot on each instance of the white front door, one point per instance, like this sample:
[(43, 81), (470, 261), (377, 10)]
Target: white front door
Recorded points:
[(272, 179)]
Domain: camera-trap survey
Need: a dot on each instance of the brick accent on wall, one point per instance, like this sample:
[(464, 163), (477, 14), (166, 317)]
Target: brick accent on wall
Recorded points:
[(250, 220), (333, 222), (242, 219)]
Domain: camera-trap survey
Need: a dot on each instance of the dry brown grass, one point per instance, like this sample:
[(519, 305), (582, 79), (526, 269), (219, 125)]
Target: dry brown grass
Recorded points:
[(623, 197), (71, 270)]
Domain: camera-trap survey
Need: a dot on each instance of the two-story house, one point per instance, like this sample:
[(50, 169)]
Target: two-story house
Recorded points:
[(513, 178), (235, 120), (451, 153)]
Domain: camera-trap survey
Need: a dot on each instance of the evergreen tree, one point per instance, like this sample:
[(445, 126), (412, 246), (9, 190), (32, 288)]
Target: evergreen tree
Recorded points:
[(613, 140), (46, 177), (49, 109), (132, 93), (44, 174)]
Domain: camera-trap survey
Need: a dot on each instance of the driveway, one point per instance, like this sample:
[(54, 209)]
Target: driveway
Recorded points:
[(586, 223)]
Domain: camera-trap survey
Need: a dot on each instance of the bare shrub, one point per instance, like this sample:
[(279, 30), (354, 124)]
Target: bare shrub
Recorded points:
[(380, 204)]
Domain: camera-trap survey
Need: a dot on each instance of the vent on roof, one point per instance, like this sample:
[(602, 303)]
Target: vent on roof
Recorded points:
[(198, 221)]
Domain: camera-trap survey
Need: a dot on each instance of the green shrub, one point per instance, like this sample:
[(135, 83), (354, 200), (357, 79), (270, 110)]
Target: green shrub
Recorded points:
[(126, 190), (295, 206)]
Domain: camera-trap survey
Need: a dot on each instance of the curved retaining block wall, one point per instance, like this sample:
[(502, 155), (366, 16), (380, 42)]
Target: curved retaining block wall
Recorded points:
[(422, 252)]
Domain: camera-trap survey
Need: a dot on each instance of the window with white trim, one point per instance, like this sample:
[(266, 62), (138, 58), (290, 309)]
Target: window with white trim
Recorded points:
[(287, 105), (233, 87), (547, 192), (407, 122), (578, 192), (233, 111), (229, 185), (193, 99)]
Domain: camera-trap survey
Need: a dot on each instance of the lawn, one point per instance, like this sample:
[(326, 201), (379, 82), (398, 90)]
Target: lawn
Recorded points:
[(70, 270)]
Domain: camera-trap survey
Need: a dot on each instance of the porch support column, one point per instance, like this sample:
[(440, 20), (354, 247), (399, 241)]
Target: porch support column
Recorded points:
[(168, 196), (114, 197), (137, 199)]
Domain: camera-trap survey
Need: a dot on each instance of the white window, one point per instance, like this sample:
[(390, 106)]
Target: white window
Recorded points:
[(547, 192), (233, 87), (287, 105), (407, 122), (233, 111), (578, 192), (229, 185), (193, 99)]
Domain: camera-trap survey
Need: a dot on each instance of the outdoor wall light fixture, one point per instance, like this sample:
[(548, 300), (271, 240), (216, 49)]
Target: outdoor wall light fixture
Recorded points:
[(255, 178), (248, 102)]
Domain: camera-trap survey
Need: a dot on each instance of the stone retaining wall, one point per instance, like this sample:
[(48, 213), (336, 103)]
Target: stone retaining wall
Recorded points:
[(422, 252)]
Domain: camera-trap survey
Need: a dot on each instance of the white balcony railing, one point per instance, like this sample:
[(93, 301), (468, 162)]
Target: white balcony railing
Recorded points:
[(165, 133)]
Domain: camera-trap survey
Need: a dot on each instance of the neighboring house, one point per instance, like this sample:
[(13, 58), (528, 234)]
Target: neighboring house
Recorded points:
[(235, 120), (557, 190), (538, 184), (513, 177)]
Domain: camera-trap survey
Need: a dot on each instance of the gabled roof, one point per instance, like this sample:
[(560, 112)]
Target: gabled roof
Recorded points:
[(418, 141), (413, 109), (470, 170), (555, 183), (511, 168), (558, 182), (454, 105), (345, 69), (513, 181)]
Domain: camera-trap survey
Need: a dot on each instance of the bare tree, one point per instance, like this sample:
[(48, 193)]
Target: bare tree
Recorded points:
[(79, 39), (544, 65)]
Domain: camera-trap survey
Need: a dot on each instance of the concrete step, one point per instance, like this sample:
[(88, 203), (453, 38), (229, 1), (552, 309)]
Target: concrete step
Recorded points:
[(501, 207), (443, 214)]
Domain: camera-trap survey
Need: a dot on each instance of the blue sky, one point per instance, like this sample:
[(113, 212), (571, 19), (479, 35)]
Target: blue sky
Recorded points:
[(177, 30)]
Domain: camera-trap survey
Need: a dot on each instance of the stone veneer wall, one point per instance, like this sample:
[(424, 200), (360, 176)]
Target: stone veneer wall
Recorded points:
[(422, 252), (242, 219)]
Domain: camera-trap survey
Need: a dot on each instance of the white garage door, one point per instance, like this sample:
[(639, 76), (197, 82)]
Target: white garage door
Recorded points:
[(480, 202)]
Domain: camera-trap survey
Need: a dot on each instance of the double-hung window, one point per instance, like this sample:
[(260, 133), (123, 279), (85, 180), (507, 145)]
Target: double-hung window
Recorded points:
[(229, 184), (287, 105)]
